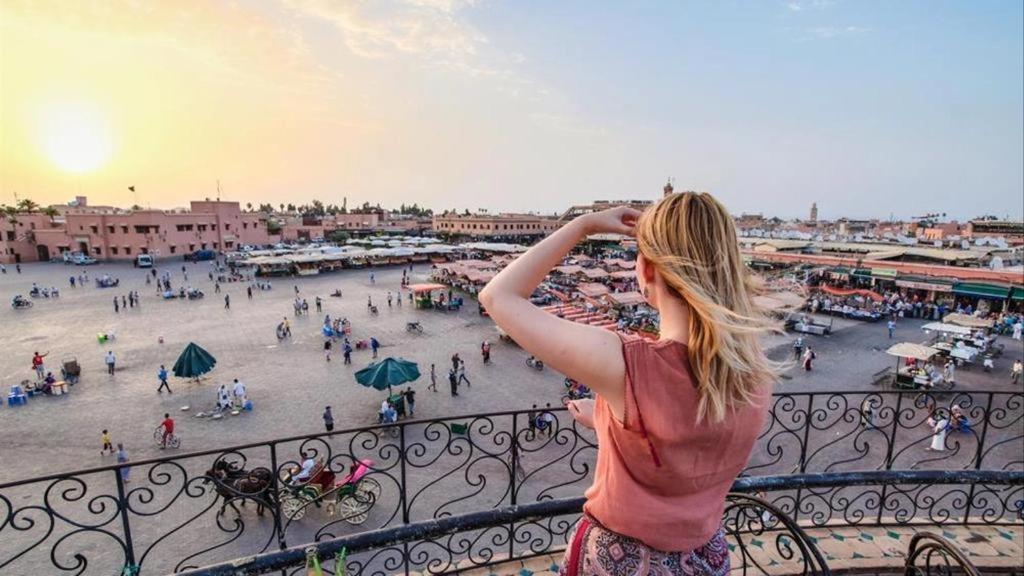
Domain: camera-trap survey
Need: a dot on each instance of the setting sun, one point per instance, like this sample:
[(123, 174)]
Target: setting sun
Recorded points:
[(74, 136)]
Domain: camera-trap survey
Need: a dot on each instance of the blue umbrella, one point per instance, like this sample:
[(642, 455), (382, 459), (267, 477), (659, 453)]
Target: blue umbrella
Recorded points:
[(387, 373)]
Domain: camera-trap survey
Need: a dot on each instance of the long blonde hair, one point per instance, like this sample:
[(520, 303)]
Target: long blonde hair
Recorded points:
[(690, 240)]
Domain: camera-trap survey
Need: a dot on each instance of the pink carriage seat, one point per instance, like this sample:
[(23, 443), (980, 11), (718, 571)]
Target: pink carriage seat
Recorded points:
[(357, 471)]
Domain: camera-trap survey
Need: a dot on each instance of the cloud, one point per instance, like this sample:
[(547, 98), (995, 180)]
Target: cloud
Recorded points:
[(801, 5), (829, 32)]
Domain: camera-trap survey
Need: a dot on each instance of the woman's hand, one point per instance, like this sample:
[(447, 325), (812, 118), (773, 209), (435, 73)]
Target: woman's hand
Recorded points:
[(583, 412), (618, 220)]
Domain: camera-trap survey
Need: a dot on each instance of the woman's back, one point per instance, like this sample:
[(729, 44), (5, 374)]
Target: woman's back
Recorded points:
[(661, 475)]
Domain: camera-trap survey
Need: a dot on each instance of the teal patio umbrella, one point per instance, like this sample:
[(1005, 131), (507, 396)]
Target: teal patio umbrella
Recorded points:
[(193, 362), (387, 373)]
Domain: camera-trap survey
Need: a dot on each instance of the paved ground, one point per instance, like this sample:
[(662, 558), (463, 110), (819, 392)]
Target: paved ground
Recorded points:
[(290, 382)]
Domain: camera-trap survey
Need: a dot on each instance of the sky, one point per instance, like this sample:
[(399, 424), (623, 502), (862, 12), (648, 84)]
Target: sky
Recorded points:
[(870, 109)]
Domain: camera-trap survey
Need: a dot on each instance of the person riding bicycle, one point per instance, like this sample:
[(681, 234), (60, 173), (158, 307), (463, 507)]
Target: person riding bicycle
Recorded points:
[(168, 427)]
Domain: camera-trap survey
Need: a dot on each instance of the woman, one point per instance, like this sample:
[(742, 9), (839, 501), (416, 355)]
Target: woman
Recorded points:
[(676, 418)]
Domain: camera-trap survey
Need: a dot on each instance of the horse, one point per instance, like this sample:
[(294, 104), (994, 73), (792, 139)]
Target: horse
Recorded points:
[(232, 484)]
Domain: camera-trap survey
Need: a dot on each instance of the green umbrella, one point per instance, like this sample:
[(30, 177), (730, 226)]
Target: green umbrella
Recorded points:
[(193, 362), (387, 373)]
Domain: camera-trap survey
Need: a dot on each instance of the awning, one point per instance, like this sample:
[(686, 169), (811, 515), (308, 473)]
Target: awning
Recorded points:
[(948, 328), (967, 321), (982, 290), (626, 298), (911, 350), (862, 273), (595, 273), (420, 288), (592, 289), (1017, 294)]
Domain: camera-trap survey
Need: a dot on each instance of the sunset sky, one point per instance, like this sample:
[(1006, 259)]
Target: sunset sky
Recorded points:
[(868, 108)]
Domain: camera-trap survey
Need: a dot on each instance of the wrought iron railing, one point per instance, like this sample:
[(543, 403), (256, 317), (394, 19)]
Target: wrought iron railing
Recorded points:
[(195, 509)]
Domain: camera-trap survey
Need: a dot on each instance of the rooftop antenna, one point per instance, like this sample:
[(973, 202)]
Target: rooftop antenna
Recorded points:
[(218, 190)]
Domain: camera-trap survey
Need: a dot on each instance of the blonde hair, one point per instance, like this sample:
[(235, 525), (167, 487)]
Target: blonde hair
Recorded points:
[(690, 240)]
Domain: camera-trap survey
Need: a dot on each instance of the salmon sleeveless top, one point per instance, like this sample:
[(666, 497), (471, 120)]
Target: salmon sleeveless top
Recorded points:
[(661, 477)]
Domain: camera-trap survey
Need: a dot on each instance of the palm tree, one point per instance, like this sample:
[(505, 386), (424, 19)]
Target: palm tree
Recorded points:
[(248, 206), (51, 212), (27, 205), (282, 207)]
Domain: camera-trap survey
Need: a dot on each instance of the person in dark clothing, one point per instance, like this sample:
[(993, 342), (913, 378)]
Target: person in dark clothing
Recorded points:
[(410, 401), (454, 382), (531, 423), (328, 419)]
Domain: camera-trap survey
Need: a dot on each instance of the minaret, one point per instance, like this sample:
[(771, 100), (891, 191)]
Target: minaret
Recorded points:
[(814, 212), (668, 187)]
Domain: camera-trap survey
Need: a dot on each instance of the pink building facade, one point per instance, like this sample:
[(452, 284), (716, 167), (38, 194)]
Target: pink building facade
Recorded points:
[(123, 235)]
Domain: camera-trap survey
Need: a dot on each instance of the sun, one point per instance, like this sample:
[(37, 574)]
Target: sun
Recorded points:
[(74, 136)]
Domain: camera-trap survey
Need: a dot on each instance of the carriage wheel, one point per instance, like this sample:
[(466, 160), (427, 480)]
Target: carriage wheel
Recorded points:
[(369, 488), (293, 507), (353, 509)]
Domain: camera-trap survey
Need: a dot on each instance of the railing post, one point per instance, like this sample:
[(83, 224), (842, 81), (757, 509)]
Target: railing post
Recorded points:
[(883, 493), (514, 494), (978, 456), (803, 453), (405, 491), (122, 502), (276, 501)]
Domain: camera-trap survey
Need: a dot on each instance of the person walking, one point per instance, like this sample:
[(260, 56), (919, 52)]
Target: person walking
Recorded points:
[(110, 360), (328, 419), (117, 307), (808, 357), (949, 372), (107, 446), (891, 325), (1015, 371), (372, 280), (319, 305), (122, 458), (161, 375), (1018, 329), (695, 405), (124, 302), (433, 379), (453, 382), (347, 351), (248, 292), (531, 423), (410, 400), (798, 348), (216, 287), (456, 361), (327, 349), (374, 345), (227, 301), (462, 374), (485, 351), (389, 298)]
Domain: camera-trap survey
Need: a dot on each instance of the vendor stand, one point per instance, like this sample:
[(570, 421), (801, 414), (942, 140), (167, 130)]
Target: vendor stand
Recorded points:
[(423, 294), (387, 373), (912, 375)]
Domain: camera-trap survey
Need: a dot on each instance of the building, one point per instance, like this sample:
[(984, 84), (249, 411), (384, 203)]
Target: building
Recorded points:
[(306, 228), (106, 233), (814, 212), (1010, 230), (511, 226)]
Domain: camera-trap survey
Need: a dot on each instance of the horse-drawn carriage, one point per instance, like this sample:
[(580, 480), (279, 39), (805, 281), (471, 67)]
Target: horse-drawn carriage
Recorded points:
[(313, 482)]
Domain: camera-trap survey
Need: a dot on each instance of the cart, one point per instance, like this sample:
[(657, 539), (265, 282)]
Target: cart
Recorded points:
[(352, 496), (70, 369)]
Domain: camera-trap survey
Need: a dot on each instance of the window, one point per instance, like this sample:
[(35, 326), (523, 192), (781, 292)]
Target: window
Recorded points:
[(96, 250), (110, 229), (95, 230), (245, 225), (227, 226), (144, 250), (214, 245), (128, 250), (113, 250), (191, 247), (173, 248), (33, 225), (202, 228), (10, 236), (229, 244), (124, 228), (184, 227), (203, 245)]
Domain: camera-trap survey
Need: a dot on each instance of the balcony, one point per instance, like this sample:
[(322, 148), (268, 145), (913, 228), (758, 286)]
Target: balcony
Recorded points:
[(830, 488)]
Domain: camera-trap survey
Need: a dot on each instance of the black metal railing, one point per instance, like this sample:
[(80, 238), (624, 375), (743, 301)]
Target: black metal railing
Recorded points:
[(750, 521), (176, 513)]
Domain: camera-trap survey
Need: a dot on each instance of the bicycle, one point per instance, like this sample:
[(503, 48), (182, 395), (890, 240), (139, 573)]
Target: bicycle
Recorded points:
[(173, 440), (535, 363)]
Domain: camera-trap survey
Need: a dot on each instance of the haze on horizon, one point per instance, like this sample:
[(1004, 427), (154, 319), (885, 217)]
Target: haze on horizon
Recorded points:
[(867, 108)]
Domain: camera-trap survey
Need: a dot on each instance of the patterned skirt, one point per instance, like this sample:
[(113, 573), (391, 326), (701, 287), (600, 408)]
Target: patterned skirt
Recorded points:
[(596, 551)]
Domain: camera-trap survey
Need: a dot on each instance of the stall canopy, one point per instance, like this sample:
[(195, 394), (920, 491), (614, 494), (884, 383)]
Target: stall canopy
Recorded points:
[(387, 373), (592, 289), (421, 288), (626, 298), (911, 350), (982, 290), (948, 328), (967, 321), (623, 274), (595, 273)]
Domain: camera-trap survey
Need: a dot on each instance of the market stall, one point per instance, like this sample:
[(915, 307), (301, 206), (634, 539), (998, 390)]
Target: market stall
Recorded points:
[(916, 371)]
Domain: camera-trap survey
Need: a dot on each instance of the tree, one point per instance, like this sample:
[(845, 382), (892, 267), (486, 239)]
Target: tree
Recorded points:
[(136, 207), (337, 236), (273, 227), (27, 206), (266, 208), (291, 207), (248, 206), (282, 207)]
